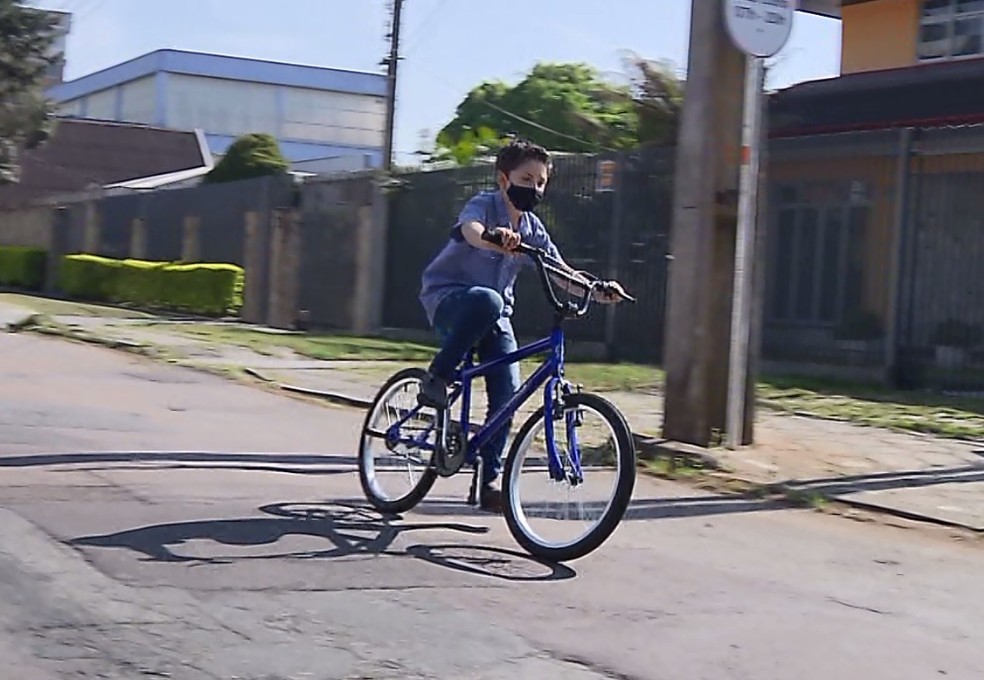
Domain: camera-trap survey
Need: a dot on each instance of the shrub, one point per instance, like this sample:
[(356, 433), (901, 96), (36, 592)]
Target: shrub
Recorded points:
[(22, 267), (89, 277), (204, 288), (141, 282), (199, 288), (253, 155)]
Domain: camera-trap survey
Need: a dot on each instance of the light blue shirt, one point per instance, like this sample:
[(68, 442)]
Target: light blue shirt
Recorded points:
[(460, 265)]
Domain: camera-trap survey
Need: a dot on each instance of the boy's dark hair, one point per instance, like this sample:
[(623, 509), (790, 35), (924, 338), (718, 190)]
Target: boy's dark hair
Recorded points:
[(517, 152)]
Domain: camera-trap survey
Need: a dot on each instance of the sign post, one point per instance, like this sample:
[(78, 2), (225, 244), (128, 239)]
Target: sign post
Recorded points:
[(759, 28)]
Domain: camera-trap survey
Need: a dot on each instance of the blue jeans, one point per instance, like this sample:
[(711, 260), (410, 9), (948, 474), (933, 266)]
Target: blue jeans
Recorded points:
[(472, 318)]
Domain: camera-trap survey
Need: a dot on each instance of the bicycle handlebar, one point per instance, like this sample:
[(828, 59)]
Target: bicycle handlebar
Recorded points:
[(590, 283)]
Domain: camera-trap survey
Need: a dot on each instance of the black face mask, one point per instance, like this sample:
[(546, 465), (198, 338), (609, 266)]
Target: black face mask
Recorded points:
[(524, 199)]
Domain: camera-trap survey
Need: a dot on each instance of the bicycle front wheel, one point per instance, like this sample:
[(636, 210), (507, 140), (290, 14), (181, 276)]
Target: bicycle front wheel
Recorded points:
[(396, 446), (565, 519)]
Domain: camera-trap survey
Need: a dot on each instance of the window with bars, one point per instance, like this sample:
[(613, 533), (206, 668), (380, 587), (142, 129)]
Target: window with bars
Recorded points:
[(951, 29), (817, 253)]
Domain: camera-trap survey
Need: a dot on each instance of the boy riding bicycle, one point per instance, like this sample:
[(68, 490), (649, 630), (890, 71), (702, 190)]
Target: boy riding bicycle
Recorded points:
[(467, 289)]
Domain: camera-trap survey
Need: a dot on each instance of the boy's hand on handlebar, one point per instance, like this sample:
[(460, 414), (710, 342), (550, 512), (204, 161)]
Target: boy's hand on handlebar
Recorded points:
[(506, 240), (609, 292)]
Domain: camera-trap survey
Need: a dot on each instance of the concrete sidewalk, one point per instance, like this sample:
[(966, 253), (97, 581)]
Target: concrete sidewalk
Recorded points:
[(12, 317), (916, 476)]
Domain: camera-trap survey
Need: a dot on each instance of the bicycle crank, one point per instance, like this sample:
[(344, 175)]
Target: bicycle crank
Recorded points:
[(449, 458)]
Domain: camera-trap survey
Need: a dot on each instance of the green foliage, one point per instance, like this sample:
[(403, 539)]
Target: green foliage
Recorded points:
[(471, 145), (204, 288), (141, 282), (22, 267), (252, 155), (199, 288), (89, 277), (566, 107), (26, 35), (657, 94)]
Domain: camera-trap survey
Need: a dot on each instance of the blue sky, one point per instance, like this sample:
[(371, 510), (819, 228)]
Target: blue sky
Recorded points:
[(449, 46)]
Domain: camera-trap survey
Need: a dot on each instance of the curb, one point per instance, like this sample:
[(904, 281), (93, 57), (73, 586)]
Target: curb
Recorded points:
[(649, 447), (20, 323)]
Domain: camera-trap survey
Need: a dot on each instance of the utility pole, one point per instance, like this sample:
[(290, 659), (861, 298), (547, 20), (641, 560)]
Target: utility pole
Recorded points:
[(391, 63), (698, 315), (716, 275)]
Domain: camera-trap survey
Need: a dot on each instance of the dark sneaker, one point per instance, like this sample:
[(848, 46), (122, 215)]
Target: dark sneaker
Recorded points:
[(490, 499), (433, 392)]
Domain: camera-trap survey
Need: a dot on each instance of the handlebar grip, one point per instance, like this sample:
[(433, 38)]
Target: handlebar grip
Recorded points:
[(492, 237)]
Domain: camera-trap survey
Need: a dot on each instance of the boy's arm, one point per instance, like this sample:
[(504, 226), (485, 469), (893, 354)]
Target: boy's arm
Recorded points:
[(471, 224)]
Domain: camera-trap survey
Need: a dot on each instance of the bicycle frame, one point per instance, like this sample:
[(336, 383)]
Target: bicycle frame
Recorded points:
[(548, 375)]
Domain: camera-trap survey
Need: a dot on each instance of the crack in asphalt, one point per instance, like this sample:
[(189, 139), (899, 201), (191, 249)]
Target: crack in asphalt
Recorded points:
[(861, 607)]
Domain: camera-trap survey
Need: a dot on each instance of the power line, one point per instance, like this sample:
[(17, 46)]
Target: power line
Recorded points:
[(391, 68), (412, 42), (523, 119)]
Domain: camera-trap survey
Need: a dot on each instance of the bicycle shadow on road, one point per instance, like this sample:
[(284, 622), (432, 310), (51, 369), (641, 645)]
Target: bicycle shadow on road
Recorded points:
[(350, 530)]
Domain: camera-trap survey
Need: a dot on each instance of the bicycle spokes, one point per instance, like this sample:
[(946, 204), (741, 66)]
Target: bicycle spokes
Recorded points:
[(402, 441), (565, 474)]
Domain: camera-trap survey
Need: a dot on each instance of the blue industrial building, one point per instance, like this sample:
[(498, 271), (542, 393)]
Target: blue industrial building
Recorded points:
[(327, 116)]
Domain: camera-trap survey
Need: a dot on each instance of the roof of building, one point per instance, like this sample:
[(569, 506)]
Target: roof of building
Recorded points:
[(223, 66), (82, 153), (925, 95)]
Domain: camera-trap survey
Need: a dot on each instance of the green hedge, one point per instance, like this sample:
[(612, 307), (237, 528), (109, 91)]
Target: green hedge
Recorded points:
[(200, 288), (22, 267), (89, 277)]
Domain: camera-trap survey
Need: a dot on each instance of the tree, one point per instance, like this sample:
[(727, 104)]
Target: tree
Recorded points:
[(254, 155), (470, 145), (26, 37), (567, 107), (657, 94)]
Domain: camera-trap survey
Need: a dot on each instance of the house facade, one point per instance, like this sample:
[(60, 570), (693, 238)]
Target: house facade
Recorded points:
[(314, 112), (877, 197)]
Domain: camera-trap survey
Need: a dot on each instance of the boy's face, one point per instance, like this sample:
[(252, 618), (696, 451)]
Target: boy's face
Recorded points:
[(531, 173)]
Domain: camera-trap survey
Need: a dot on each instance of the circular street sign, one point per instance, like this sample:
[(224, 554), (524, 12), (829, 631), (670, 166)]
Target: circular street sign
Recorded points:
[(759, 27)]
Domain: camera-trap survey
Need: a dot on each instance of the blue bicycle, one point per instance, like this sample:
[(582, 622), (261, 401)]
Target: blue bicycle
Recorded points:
[(593, 446)]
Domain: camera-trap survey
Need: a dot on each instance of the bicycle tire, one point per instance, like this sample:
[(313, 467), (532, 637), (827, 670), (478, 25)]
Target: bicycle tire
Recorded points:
[(623, 488), (427, 479)]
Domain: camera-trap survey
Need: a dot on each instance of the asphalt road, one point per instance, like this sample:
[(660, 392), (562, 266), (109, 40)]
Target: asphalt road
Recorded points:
[(161, 523)]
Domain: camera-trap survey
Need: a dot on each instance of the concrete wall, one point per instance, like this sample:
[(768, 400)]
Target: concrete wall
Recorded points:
[(343, 237)]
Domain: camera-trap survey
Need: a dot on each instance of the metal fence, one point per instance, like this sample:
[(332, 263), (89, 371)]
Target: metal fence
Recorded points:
[(874, 251), (940, 299), (608, 214), (219, 209)]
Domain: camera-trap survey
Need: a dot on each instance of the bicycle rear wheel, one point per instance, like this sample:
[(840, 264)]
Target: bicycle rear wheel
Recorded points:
[(397, 426), (591, 435)]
